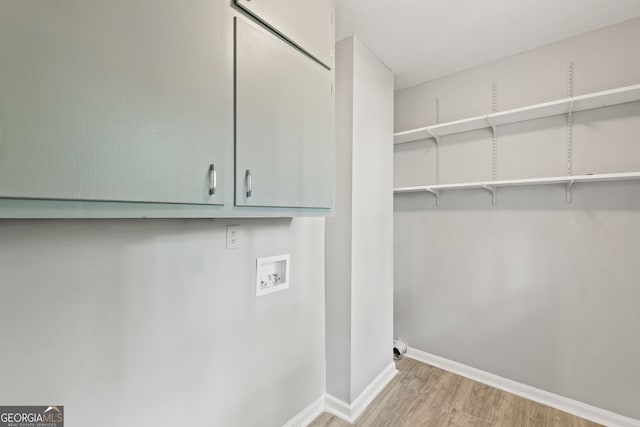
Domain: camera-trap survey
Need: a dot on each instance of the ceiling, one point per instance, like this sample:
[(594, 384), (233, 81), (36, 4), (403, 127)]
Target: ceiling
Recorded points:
[(421, 40)]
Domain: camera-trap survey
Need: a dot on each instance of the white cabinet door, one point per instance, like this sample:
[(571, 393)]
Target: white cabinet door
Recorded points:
[(119, 100), (307, 23), (284, 123)]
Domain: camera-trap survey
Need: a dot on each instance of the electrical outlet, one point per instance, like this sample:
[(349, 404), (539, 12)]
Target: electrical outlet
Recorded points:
[(233, 236)]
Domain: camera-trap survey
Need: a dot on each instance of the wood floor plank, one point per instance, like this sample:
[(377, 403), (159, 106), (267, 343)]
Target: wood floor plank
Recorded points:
[(427, 416), (443, 390), (476, 399), (328, 420), (404, 394), (436, 417), (509, 410), (563, 419), (538, 415), (462, 419), (402, 398), (418, 378), (378, 408), (425, 396)]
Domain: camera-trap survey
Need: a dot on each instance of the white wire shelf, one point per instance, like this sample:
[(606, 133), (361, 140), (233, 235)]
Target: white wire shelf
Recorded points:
[(562, 106), (491, 186)]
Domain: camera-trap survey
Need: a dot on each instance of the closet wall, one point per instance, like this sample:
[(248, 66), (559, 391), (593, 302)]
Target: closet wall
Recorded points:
[(533, 289), (359, 238)]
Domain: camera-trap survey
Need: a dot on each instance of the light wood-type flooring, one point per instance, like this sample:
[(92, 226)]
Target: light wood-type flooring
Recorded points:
[(423, 395)]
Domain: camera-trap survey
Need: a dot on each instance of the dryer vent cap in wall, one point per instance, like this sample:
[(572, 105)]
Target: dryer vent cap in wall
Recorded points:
[(272, 274), (399, 347)]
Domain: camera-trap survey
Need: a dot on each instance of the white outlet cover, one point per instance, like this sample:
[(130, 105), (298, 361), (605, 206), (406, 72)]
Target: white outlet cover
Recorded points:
[(272, 274), (233, 236)]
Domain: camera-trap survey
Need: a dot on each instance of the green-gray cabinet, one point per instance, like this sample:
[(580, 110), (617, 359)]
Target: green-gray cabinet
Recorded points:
[(284, 123), (114, 101), (306, 23), (157, 108)]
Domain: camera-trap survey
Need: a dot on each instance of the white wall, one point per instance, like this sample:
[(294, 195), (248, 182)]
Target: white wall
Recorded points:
[(359, 239), (372, 219), (154, 323), (338, 240), (531, 289)]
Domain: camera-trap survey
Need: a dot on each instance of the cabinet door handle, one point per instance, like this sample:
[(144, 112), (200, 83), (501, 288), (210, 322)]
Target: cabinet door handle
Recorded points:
[(213, 179), (248, 182)]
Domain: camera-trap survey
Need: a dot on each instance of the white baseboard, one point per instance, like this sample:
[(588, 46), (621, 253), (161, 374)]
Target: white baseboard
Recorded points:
[(338, 407), (350, 412), (335, 406), (562, 403), (308, 414)]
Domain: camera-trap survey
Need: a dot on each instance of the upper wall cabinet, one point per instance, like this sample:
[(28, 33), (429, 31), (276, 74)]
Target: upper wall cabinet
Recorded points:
[(284, 123), (308, 24), (131, 108), (114, 100)]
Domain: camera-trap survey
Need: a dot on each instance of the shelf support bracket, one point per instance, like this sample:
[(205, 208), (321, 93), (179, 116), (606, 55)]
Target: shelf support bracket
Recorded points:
[(493, 125), (494, 193), (434, 135), (568, 187), (437, 139), (436, 193), (571, 105)]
